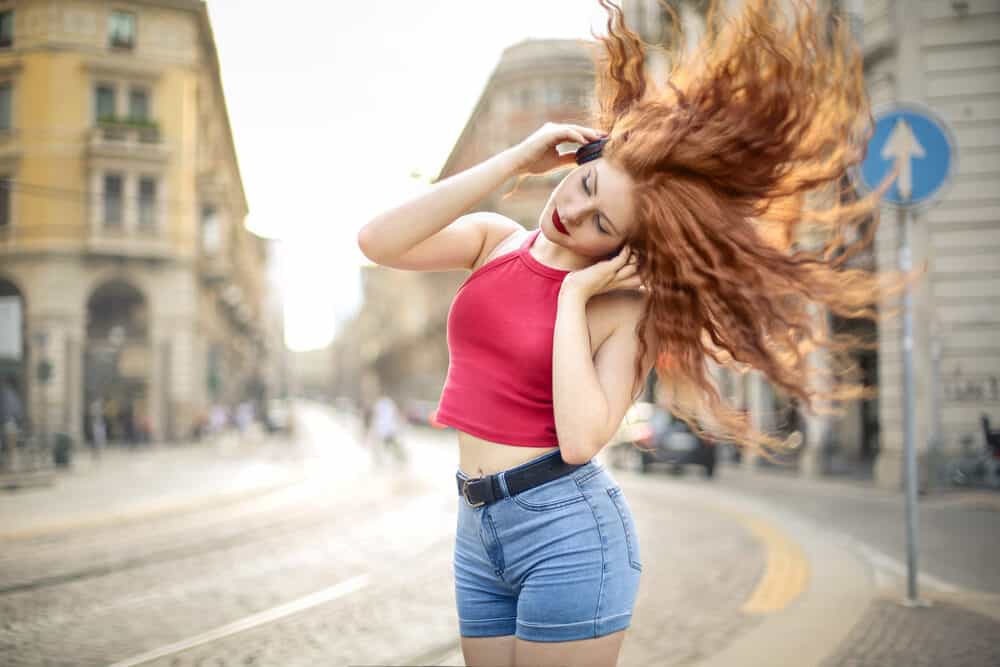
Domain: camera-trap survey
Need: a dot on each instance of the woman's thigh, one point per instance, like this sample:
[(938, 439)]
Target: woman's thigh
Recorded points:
[(599, 652), (498, 651)]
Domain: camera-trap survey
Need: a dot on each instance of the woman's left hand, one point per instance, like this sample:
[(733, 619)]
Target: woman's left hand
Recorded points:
[(619, 272)]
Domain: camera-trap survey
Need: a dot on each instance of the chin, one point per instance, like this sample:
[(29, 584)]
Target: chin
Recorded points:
[(555, 236)]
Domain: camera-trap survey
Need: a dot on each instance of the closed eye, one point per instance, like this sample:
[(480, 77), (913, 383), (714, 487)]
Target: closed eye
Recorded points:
[(597, 217)]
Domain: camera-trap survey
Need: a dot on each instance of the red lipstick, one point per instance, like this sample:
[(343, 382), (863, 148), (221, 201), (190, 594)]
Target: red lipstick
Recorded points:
[(557, 223)]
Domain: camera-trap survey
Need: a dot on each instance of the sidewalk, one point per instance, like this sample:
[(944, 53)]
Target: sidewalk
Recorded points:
[(162, 478), (958, 627)]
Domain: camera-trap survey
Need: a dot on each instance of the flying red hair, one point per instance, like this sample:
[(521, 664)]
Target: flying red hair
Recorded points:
[(745, 213)]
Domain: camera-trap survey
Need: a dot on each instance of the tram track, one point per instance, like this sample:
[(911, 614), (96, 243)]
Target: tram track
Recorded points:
[(115, 550)]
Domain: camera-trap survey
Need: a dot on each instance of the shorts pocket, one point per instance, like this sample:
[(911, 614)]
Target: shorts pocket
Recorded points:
[(550, 495), (631, 538)]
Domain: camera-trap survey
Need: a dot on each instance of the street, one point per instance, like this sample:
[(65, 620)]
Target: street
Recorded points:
[(343, 563)]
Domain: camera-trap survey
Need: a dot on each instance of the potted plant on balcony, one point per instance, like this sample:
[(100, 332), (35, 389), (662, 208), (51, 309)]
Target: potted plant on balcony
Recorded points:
[(116, 128)]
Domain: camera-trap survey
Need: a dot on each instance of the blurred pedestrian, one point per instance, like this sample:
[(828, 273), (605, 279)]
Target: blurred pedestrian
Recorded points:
[(244, 416), (128, 423), (98, 432), (112, 414), (217, 419), (651, 253), (11, 416), (385, 425)]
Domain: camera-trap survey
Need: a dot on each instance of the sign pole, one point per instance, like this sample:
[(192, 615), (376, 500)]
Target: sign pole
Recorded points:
[(915, 142), (909, 410)]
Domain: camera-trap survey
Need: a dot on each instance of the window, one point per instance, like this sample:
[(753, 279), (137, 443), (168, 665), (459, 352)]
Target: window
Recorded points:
[(6, 106), (6, 29), (210, 232), (113, 199), (147, 202), (138, 104), (4, 202), (121, 30), (104, 102)]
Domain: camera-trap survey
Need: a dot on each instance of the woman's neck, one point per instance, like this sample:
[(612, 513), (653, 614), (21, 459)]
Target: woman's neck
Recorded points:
[(556, 256)]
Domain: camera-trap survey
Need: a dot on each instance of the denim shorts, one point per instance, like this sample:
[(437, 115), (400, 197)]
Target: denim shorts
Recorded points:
[(557, 562)]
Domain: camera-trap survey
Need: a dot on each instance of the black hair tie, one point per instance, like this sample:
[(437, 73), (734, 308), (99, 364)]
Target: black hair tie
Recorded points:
[(591, 151)]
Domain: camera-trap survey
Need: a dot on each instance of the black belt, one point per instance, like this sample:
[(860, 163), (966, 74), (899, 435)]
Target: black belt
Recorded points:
[(480, 491)]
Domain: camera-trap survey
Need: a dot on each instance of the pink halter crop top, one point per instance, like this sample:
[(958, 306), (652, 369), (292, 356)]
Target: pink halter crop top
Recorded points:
[(500, 329)]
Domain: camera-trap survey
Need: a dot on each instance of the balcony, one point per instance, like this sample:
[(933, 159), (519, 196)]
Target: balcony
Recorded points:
[(117, 241), (127, 139)]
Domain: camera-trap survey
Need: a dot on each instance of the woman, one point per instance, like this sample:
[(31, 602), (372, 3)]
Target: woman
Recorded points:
[(651, 252)]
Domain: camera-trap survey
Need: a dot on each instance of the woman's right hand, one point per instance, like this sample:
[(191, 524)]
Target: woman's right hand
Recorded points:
[(538, 154)]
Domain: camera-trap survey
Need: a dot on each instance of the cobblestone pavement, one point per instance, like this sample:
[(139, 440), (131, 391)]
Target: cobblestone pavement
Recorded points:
[(117, 591), (699, 568), (941, 635)]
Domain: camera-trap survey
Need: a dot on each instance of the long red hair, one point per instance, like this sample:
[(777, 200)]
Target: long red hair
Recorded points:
[(738, 156)]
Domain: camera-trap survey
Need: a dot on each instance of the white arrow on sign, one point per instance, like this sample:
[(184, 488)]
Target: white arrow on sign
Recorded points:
[(902, 146)]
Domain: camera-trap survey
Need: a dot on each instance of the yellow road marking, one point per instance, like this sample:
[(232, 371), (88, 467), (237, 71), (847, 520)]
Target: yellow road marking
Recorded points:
[(786, 572)]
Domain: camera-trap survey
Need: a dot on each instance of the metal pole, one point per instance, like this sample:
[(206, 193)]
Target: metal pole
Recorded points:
[(909, 412), (935, 441)]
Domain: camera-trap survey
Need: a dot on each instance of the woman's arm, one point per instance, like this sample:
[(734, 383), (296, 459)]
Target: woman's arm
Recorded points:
[(416, 228), (391, 234), (590, 395)]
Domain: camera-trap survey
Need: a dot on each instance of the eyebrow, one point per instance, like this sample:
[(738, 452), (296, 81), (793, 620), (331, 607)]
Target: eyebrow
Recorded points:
[(601, 213)]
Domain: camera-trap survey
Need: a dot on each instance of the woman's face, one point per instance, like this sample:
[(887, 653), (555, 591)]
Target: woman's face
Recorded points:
[(591, 211)]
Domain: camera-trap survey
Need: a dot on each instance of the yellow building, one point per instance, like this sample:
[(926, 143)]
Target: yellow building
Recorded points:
[(124, 261)]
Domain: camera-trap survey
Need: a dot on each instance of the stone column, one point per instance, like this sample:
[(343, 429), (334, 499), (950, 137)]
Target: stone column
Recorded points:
[(760, 413), (813, 459)]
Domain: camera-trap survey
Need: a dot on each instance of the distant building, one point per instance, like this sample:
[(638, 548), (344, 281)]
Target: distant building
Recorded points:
[(123, 255)]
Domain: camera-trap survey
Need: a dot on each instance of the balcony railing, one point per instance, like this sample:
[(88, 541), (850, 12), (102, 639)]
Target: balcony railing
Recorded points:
[(113, 137), (129, 241)]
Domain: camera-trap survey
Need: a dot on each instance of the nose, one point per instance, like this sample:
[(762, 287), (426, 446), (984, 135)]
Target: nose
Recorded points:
[(574, 214)]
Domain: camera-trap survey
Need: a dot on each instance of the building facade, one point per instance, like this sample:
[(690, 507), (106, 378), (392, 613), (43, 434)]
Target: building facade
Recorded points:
[(125, 267)]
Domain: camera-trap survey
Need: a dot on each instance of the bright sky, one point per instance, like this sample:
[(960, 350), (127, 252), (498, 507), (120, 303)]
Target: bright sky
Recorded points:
[(335, 104)]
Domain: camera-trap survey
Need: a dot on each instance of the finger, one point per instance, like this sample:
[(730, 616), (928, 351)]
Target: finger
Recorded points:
[(630, 283), (589, 132), (567, 158), (627, 271), (621, 259)]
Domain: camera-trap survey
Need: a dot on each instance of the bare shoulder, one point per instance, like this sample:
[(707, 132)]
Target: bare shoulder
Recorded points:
[(500, 235)]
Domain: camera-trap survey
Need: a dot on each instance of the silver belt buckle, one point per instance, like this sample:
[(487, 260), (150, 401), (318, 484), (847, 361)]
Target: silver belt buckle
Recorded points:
[(465, 493)]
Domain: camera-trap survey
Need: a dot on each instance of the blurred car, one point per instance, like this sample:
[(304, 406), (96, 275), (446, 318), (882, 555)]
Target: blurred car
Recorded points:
[(649, 435)]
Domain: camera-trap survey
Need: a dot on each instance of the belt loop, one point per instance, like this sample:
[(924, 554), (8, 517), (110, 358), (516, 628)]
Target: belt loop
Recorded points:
[(502, 478)]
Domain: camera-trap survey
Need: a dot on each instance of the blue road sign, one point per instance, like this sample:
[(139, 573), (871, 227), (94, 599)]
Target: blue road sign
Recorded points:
[(921, 143)]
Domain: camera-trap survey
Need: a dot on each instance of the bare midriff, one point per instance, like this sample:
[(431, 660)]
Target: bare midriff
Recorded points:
[(477, 456)]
